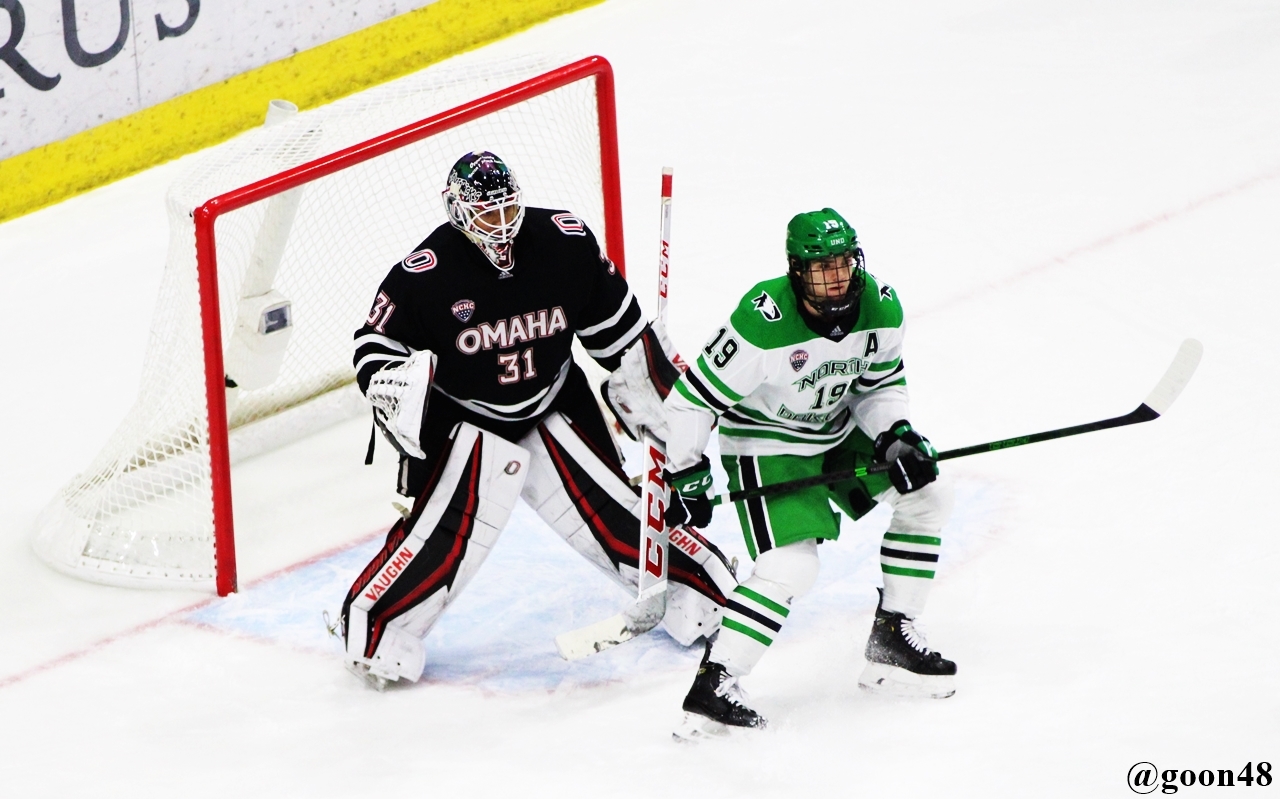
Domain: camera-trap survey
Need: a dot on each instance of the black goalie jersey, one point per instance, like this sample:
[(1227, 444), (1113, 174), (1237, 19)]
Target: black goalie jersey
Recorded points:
[(502, 339)]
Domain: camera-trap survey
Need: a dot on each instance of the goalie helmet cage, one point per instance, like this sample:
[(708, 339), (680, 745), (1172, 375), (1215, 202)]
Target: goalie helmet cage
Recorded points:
[(298, 244)]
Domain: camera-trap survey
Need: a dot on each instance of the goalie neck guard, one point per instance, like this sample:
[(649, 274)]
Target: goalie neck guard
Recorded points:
[(825, 263), (482, 200)]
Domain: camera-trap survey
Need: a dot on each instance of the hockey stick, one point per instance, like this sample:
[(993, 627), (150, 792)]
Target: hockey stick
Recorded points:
[(1157, 403), (651, 603)]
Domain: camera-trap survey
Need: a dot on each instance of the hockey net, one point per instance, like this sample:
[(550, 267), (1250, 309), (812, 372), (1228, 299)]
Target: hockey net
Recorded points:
[(309, 213)]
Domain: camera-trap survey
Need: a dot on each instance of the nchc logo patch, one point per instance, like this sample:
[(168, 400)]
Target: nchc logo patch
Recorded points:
[(463, 310), (798, 359)]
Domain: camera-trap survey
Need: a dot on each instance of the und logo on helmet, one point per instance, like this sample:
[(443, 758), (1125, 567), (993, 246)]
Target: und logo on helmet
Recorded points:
[(767, 307), (463, 310), (798, 359), (569, 224), (419, 261)]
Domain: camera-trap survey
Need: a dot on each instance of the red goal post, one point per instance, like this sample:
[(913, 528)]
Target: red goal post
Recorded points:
[(207, 258), (183, 457)]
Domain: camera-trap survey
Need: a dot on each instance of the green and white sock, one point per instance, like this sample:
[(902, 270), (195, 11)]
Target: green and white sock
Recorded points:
[(752, 619), (908, 562)]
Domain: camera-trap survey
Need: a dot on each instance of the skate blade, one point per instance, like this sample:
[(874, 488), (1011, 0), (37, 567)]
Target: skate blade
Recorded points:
[(361, 671), (694, 728), (886, 680)]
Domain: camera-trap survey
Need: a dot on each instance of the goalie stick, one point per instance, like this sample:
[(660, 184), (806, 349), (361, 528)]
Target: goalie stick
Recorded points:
[(1156, 404), (651, 603)]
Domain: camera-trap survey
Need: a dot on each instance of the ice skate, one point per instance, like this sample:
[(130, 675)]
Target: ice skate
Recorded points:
[(361, 670), (899, 661), (714, 705)]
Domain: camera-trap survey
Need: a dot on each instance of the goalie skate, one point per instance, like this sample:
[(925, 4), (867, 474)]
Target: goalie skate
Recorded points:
[(362, 672), (900, 663)]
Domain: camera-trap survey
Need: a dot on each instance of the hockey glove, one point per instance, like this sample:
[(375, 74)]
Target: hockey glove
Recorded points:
[(913, 462), (644, 377), (690, 501), (398, 394)]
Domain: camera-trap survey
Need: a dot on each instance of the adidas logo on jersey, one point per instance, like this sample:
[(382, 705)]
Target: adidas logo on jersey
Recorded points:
[(509, 332)]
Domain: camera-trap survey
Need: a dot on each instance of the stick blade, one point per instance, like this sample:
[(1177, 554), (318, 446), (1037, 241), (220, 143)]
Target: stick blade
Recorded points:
[(586, 641), (1176, 377), (636, 620)]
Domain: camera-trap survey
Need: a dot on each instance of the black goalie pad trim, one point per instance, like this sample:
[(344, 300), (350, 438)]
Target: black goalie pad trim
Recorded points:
[(436, 564)]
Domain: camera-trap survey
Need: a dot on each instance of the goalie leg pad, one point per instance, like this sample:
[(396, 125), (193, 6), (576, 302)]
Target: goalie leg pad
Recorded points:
[(691, 613), (431, 556), (585, 497)]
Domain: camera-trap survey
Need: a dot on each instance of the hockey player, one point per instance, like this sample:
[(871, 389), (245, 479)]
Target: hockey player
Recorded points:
[(805, 378), (465, 357)]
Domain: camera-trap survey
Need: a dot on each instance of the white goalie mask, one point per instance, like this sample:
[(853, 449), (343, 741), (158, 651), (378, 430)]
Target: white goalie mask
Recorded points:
[(483, 201)]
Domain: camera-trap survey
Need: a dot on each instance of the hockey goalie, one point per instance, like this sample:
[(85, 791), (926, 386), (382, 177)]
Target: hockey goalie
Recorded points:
[(465, 357)]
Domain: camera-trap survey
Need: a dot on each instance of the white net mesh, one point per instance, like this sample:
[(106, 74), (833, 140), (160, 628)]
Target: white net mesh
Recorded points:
[(142, 512)]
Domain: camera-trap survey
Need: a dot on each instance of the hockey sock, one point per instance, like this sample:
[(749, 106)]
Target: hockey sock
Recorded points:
[(753, 617), (908, 562)]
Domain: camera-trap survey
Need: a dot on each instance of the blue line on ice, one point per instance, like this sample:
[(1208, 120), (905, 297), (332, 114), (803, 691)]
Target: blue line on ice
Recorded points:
[(499, 634)]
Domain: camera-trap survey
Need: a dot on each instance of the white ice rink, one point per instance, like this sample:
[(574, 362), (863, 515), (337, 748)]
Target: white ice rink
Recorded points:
[(1060, 191)]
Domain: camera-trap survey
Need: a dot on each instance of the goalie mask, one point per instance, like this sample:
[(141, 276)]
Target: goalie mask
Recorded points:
[(825, 263), (483, 201)]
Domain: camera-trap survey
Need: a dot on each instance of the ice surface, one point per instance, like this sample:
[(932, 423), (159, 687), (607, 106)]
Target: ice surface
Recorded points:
[(1061, 192)]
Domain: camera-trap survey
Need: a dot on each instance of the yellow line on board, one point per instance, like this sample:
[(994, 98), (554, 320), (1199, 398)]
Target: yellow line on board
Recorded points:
[(207, 116)]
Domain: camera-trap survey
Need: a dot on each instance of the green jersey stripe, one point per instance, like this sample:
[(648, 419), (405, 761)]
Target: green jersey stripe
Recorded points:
[(741, 414), (715, 381), (689, 395), (762, 600), (787, 437), (913, 539), (875, 382), (709, 397), (730, 624), (886, 366)]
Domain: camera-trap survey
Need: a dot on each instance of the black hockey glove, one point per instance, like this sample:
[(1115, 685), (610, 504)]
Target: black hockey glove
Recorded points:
[(689, 501), (913, 460)]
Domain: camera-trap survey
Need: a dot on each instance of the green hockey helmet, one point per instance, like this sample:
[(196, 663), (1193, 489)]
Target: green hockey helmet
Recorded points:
[(825, 263)]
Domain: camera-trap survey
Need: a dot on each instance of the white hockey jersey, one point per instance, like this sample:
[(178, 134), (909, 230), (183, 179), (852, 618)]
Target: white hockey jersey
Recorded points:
[(779, 388)]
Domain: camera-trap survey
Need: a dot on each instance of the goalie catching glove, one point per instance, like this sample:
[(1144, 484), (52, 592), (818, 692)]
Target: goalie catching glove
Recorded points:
[(399, 397), (635, 390), (913, 462), (690, 495)]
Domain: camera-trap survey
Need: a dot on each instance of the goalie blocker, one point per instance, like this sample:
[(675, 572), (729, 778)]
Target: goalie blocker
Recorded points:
[(569, 473)]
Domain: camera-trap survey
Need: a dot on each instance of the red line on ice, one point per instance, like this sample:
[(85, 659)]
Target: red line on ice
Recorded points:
[(175, 616)]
